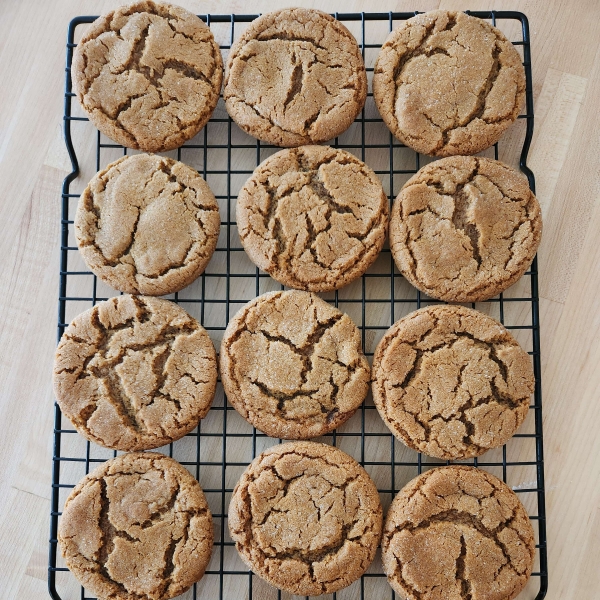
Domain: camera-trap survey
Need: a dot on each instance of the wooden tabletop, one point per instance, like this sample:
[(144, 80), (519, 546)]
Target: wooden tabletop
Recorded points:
[(564, 157)]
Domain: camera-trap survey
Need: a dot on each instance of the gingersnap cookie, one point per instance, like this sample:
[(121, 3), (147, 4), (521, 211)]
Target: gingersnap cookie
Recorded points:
[(314, 218), (138, 526), (147, 224), (451, 382), (457, 532), (293, 366), (134, 373), (464, 229), (148, 75), (447, 83), (295, 76), (306, 517)]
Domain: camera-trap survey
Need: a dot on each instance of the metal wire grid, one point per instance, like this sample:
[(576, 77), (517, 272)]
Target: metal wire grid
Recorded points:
[(223, 436)]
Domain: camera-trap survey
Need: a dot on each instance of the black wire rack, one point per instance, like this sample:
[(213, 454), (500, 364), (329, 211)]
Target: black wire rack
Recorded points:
[(218, 451)]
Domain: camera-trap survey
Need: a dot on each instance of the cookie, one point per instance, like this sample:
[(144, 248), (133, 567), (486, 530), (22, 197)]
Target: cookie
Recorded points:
[(148, 75), (134, 373), (147, 224), (457, 532), (447, 83), (293, 366), (306, 517), (314, 218), (295, 76), (451, 382), (464, 229), (138, 526)]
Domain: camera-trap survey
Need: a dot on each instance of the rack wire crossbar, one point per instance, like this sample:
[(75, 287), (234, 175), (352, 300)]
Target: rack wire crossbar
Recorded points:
[(220, 448)]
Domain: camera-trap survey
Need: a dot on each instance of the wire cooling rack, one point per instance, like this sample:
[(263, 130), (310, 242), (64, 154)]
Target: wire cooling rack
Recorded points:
[(218, 451)]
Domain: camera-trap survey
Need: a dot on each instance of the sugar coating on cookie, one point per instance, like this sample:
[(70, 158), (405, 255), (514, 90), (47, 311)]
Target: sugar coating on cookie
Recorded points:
[(137, 527), (148, 74), (306, 517), (147, 224), (447, 83), (134, 373), (293, 366), (464, 229), (295, 76), (314, 218), (451, 382), (457, 532)]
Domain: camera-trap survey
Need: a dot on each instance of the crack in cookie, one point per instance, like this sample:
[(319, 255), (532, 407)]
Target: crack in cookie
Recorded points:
[(148, 75), (293, 366), (451, 382), (447, 83), (314, 218), (135, 373), (147, 225), (295, 76), (464, 229), (306, 517), (457, 532), (137, 528), (422, 48)]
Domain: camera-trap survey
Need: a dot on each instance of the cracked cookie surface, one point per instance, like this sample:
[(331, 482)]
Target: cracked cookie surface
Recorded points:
[(306, 517), (447, 83), (147, 224), (137, 528), (451, 382), (134, 373), (295, 76), (314, 218), (148, 75), (457, 533), (464, 229), (293, 366)]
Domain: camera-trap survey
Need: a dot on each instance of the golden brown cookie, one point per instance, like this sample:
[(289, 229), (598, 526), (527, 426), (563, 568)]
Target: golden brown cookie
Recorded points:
[(134, 373), (457, 532), (447, 83), (148, 75), (137, 527), (293, 366), (306, 517), (295, 76), (314, 217), (147, 224), (451, 382), (464, 229)]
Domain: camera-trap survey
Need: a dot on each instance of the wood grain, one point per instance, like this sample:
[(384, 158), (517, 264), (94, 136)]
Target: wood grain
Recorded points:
[(564, 157)]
